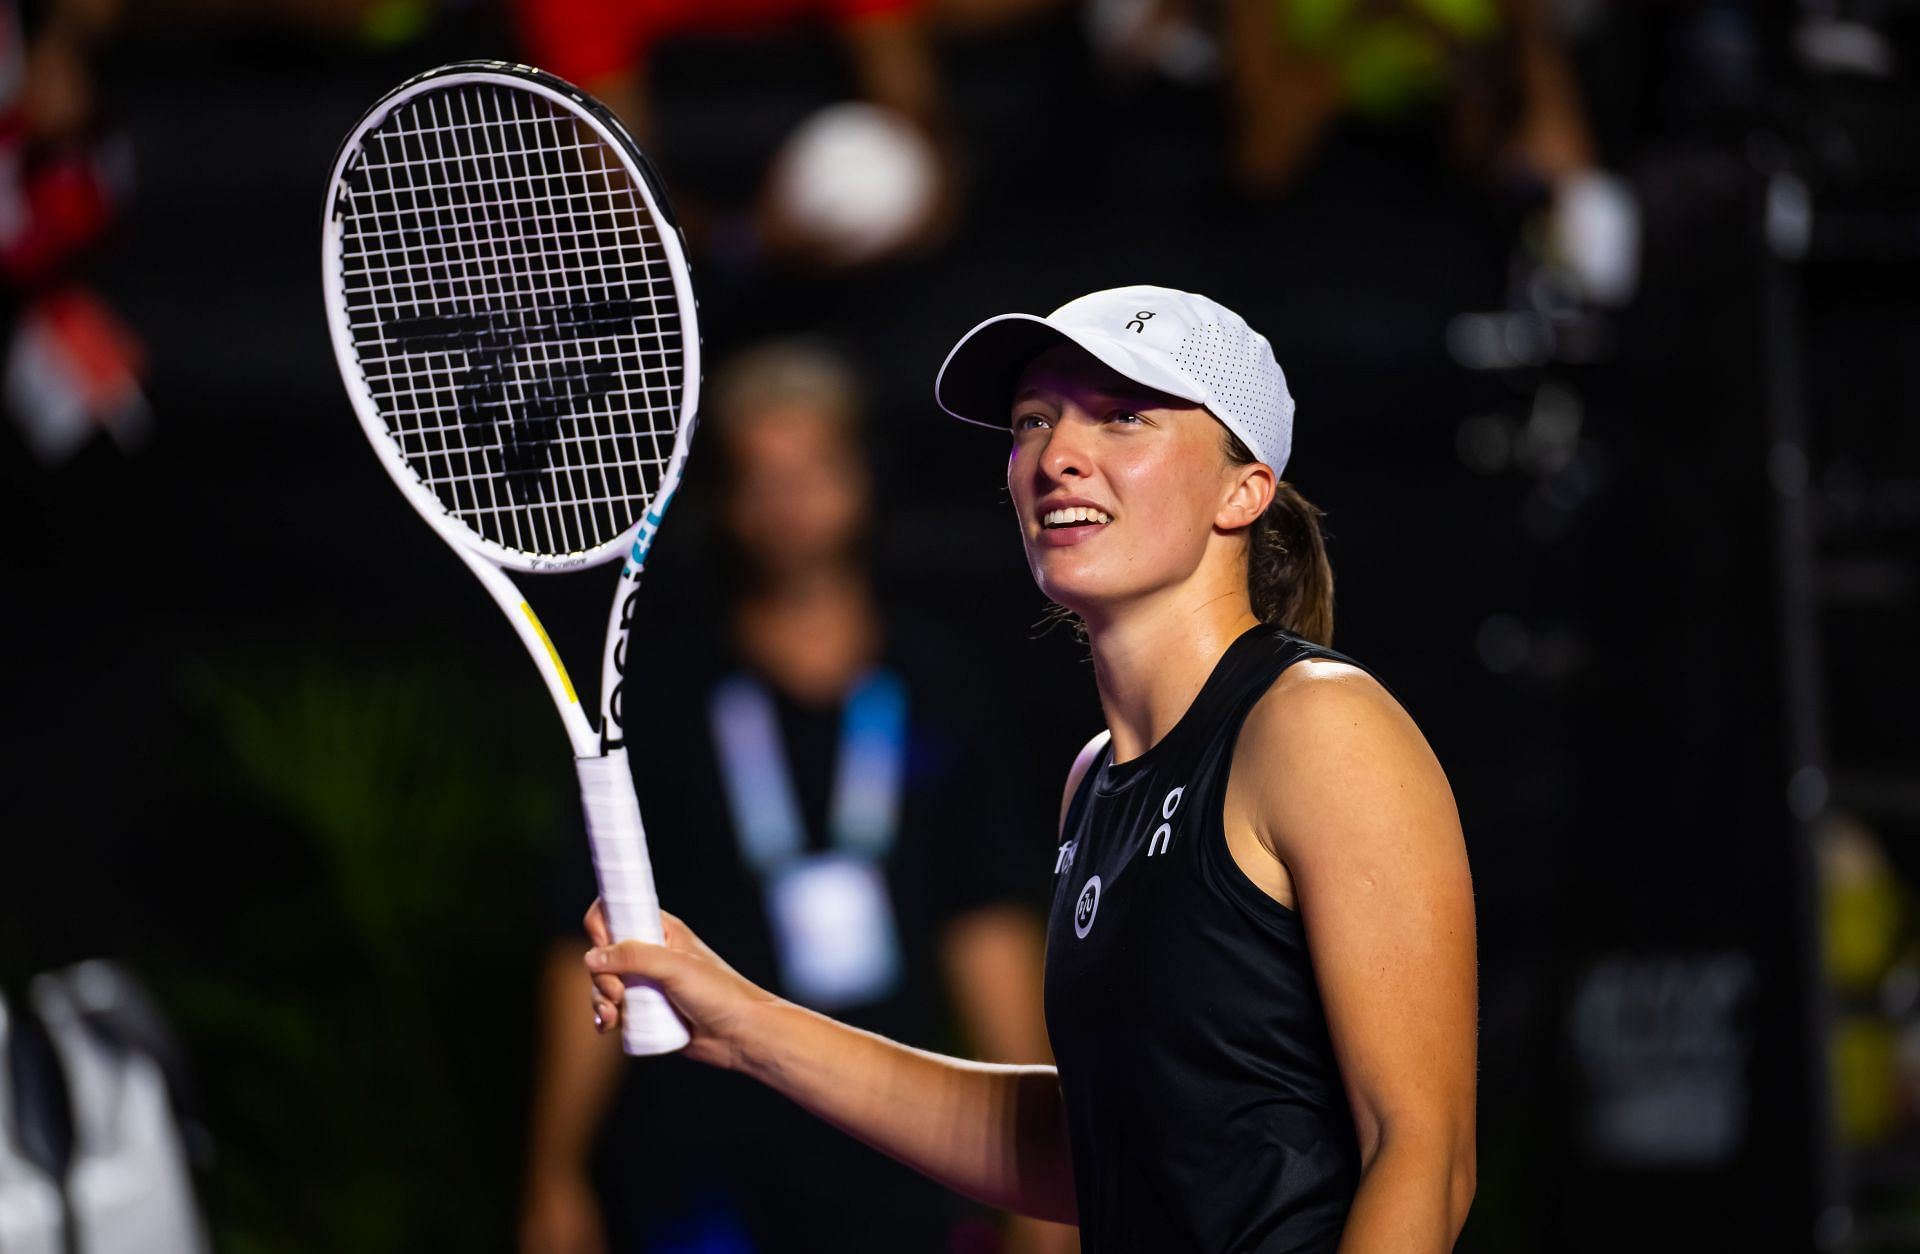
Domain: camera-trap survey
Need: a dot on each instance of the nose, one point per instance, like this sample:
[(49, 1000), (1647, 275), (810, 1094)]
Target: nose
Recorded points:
[(1065, 456)]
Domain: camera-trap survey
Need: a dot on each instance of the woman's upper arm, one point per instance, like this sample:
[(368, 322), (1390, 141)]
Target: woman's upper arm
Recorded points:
[(1352, 801)]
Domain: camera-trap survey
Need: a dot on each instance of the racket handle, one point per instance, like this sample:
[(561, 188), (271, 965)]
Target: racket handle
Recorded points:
[(648, 1023)]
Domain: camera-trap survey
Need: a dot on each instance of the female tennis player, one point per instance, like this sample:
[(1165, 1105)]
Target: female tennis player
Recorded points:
[(1260, 960)]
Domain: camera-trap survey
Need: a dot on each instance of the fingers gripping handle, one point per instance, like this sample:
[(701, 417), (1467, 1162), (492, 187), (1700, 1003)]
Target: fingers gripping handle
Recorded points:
[(649, 1025)]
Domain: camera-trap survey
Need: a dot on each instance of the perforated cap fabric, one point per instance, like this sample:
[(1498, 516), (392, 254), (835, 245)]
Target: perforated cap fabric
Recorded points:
[(1180, 343)]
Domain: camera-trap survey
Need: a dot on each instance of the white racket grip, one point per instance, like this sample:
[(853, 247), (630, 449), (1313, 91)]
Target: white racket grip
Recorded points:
[(648, 1023)]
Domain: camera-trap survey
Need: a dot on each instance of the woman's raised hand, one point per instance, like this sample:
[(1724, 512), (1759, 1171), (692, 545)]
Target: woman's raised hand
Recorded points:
[(716, 1002)]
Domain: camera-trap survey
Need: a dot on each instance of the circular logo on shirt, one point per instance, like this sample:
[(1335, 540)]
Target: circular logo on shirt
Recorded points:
[(1085, 908)]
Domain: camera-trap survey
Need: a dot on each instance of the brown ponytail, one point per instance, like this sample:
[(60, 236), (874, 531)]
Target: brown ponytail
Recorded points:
[(1289, 578)]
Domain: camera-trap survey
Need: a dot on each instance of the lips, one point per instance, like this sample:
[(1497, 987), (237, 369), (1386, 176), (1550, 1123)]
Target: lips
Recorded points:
[(1067, 521)]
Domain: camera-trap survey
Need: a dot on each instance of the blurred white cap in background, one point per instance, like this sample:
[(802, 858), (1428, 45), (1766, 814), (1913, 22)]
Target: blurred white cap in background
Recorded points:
[(855, 181)]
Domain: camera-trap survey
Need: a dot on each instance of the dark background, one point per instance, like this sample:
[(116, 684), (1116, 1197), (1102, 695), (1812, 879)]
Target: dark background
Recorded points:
[(303, 793)]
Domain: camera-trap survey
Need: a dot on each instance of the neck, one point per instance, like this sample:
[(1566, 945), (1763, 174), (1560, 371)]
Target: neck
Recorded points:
[(812, 633), (825, 583), (1151, 660)]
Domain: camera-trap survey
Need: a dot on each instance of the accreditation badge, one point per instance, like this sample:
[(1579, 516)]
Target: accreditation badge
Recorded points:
[(834, 930)]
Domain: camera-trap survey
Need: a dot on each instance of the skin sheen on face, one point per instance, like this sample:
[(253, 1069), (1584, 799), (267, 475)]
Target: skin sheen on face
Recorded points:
[(1089, 441)]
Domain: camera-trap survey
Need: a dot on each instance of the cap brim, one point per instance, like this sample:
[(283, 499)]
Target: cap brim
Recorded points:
[(975, 383)]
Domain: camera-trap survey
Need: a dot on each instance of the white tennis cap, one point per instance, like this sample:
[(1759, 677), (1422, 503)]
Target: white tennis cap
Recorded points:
[(1175, 342)]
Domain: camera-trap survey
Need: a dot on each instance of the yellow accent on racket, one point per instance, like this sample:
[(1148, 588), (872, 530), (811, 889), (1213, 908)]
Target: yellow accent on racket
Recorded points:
[(566, 680)]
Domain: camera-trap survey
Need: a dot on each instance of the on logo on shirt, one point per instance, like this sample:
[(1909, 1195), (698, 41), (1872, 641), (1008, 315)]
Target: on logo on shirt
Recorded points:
[(1163, 834)]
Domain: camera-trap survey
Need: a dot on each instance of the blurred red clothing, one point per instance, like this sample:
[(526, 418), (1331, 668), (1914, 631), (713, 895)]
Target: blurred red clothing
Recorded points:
[(584, 40)]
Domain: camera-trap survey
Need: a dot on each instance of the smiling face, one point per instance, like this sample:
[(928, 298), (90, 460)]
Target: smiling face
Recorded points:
[(1122, 492)]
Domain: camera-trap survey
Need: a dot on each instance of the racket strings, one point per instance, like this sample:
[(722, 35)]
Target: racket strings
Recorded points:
[(514, 314)]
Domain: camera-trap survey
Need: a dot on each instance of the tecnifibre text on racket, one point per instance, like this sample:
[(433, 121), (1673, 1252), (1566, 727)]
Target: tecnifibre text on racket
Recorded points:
[(513, 319)]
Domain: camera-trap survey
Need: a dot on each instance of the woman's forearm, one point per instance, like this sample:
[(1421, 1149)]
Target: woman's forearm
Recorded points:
[(993, 1132), (1413, 1196)]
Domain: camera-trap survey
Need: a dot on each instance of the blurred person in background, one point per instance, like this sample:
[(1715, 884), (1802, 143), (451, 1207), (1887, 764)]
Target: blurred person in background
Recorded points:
[(1489, 78), (1295, 66), (71, 369), (860, 180), (830, 809)]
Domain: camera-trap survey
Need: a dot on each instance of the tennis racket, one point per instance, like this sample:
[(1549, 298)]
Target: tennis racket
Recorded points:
[(508, 297)]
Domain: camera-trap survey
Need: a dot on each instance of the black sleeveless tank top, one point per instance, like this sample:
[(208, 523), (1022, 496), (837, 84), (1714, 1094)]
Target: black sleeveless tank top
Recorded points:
[(1203, 1098)]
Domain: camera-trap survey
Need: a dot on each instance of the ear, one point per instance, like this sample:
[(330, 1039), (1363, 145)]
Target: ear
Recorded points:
[(1251, 490)]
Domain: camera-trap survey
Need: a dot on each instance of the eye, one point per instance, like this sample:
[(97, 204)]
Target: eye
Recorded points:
[(1126, 417), (1029, 421)]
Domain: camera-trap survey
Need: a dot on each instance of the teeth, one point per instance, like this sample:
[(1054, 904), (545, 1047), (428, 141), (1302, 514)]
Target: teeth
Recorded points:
[(1073, 514)]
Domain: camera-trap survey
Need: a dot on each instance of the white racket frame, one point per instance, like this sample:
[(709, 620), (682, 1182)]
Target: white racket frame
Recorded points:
[(650, 1025)]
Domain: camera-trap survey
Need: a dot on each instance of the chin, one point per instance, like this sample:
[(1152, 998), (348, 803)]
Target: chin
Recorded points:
[(1080, 589), (1097, 586)]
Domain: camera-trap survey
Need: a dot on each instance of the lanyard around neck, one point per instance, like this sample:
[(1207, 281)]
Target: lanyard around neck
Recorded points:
[(869, 772)]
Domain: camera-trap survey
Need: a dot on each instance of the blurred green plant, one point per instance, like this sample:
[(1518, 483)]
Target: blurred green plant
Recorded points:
[(364, 1049)]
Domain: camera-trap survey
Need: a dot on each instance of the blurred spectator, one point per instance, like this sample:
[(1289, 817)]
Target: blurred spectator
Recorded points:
[(828, 813), (1871, 956), (70, 368), (850, 188), (1294, 66), (1490, 76)]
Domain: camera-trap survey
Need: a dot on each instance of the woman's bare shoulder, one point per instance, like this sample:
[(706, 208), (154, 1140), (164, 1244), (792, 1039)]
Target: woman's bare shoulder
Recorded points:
[(1081, 765), (1315, 691), (1327, 738)]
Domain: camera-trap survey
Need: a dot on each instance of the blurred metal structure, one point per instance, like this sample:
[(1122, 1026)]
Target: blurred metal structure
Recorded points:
[(1841, 225)]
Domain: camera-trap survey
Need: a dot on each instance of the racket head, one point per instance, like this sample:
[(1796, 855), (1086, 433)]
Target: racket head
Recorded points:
[(512, 314)]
